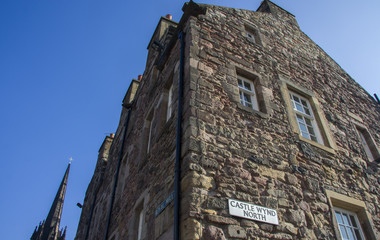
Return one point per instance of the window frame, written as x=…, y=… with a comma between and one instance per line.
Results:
x=169, y=109
x=353, y=223
x=147, y=135
x=287, y=86
x=368, y=144
x=252, y=34
x=251, y=93
x=307, y=115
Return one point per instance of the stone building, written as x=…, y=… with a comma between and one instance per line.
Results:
x=275, y=139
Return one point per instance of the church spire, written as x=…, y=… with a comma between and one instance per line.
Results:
x=50, y=228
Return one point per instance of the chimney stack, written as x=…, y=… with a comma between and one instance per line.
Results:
x=169, y=16
x=139, y=77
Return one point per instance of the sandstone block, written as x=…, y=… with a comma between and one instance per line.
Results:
x=221, y=220
x=236, y=232
x=213, y=233
x=191, y=229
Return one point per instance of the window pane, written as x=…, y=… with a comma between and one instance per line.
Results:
x=311, y=130
x=304, y=103
x=357, y=234
x=308, y=122
x=296, y=99
x=313, y=138
x=365, y=145
x=338, y=217
x=353, y=222
x=307, y=111
x=247, y=86
x=300, y=119
x=299, y=107
x=303, y=127
x=139, y=233
x=247, y=98
x=306, y=135
x=345, y=219
x=251, y=36
x=343, y=232
x=239, y=82
x=350, y=233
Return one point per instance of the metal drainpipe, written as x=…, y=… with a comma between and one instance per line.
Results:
x=117, y=170
x=377, y=99
x=177, y=173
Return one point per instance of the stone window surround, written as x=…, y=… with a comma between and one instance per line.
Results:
x=258, y=83
x=369, y=140
x=285, y=87
x=353, y=205
x=305, y=116
x=249, y=28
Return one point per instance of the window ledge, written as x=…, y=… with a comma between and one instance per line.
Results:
x=315, y=144
x=250, y=110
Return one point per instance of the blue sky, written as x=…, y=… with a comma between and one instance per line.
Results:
x=66, y=65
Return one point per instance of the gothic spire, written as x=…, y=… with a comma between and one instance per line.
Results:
x=50, y=227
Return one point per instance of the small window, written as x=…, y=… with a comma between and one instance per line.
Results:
x=247, y=93
x=138, y=230
x=252, y=35
x=149, y=136
x=140, y=224
x=148, y=132
x=170, y=103
x=348, y=223
x=350, y=217
x=368, y=144
x=304, y=115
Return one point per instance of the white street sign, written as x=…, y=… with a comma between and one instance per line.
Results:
x=253, y=212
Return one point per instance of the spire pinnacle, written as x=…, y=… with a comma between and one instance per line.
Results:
x=50, y=226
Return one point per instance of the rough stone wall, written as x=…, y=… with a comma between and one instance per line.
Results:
x=231, y=152
x=93, y=187
x=146, y=178
x=256, y=157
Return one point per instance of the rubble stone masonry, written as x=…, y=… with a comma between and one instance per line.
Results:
x=231, y=151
